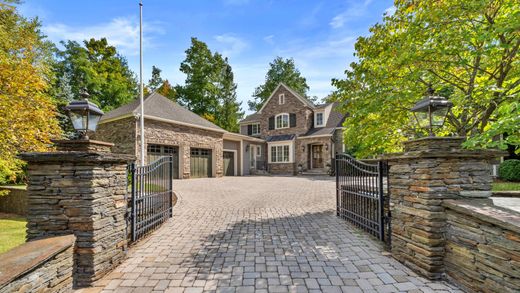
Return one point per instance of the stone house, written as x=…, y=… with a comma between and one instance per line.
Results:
x=298, y=135
x=199, y=147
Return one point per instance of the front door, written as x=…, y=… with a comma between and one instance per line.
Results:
x=317, y=156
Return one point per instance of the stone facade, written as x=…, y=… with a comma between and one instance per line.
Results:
x=482, y=246
x=80, y=193
x=38, y=266
x=430, y=171
x=125, y=135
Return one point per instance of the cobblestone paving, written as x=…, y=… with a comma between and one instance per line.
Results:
x=260, y=234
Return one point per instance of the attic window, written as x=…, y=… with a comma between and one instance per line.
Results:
x=319, y=119
x=281, y=99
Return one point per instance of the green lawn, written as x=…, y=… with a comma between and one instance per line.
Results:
x=506, y=186
x=12, y=231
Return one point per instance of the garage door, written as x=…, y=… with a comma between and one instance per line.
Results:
x=200, y=163
x=229, y=164
x=156, y=151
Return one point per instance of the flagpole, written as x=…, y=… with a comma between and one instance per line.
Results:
x=141, y=88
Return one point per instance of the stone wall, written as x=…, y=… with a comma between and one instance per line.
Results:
x=14, y=201
x=185, y=138
x=430, y=171
x=283, y=168
x=482, y=246
x=122, y=133
x=80, y=193
x=38, y=266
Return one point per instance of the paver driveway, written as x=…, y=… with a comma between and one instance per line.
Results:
x=263, y=234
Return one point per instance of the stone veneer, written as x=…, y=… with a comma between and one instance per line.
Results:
x=38, y=266
x=428, y=172
x=125, y=135
x=80, y=193
x=302, y=157
x=482, y=246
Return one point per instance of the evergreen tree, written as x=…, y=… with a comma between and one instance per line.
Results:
x=280, y=70
x=229, y=112
x=156, y=81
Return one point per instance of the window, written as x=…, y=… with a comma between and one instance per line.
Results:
x=319, y=119
x=282, y=121
x=258, y=151
x=156, y=151
x=255, y=129
x=280, y=154
x=281, y=99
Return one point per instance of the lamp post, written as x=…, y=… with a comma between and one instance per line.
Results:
x=84, y=115
x=431, y=111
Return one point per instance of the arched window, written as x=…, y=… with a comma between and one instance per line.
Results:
x=282, y=121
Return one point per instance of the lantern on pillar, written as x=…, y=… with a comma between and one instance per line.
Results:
x=431, y=111
x=84, y=115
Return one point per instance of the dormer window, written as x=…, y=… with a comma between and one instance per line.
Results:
x=281, y=99
x=255, y=129
x=319, y=120
x=282, y=121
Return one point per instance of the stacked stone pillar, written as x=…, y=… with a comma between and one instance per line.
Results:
x=431, y=170
x=80, y=189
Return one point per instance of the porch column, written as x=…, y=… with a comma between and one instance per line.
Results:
x=80, y=189
x=428, y=172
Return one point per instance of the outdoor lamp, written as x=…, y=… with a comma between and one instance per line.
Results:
x=431, y=111
x=84, y=115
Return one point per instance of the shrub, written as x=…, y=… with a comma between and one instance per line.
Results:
x=509, y=170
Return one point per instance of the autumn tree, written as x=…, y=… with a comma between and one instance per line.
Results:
x=100, y=69
x=280, y=70
x=466, y=50
x=209, y=89
x=27, y=111
x=160, y=85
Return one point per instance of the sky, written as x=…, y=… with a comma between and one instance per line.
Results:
x=318, y=35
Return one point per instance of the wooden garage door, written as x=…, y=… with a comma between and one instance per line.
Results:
x=156, y=151
x=229, y=164
x=200, y=163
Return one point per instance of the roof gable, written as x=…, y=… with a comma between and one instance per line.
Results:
x=304, y=100
x=158, y=106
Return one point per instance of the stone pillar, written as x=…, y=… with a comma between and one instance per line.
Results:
x=80, y=189
x=429, y=171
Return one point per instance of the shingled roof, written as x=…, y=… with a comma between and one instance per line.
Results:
x=158, y=106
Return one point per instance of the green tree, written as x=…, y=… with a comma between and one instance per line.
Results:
x=156, y=81
x=27, y=111
x=468, y=52
x=100, y=69
x=209, y=88
x=229, y=111
x=280, y=70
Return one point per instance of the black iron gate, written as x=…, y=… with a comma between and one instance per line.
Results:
x=362, y=195
x=152, y=191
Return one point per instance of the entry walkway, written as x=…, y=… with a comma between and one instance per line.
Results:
x=260, y=234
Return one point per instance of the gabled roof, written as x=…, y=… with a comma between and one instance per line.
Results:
x=251, y=118
x=157, y=106
x=334, y=121
x=282, y=137
x=297, y=95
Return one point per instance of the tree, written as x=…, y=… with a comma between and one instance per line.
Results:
x=167, y=90
x=98, y=67
x=466, y=50
x=27, y=111
x=156, y=81
x=209, y=89
x=229, y=112
x=280, y=70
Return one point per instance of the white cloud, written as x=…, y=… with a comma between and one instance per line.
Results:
x=121, y=32
x=269, y=39
x=354, y=11
x=232, y=45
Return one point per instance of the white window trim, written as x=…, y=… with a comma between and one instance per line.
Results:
x=282, y=143
x=316, y=119
x=281, y=99
x=276, y=119
x=255, y=133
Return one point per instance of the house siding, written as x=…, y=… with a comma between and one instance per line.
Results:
x=122, y=133
x=235, y=146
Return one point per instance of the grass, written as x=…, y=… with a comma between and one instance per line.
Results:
x=12, y=231
x=506, y=186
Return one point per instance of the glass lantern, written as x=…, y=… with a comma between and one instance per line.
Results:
x=84, y=115
x=431, y=112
